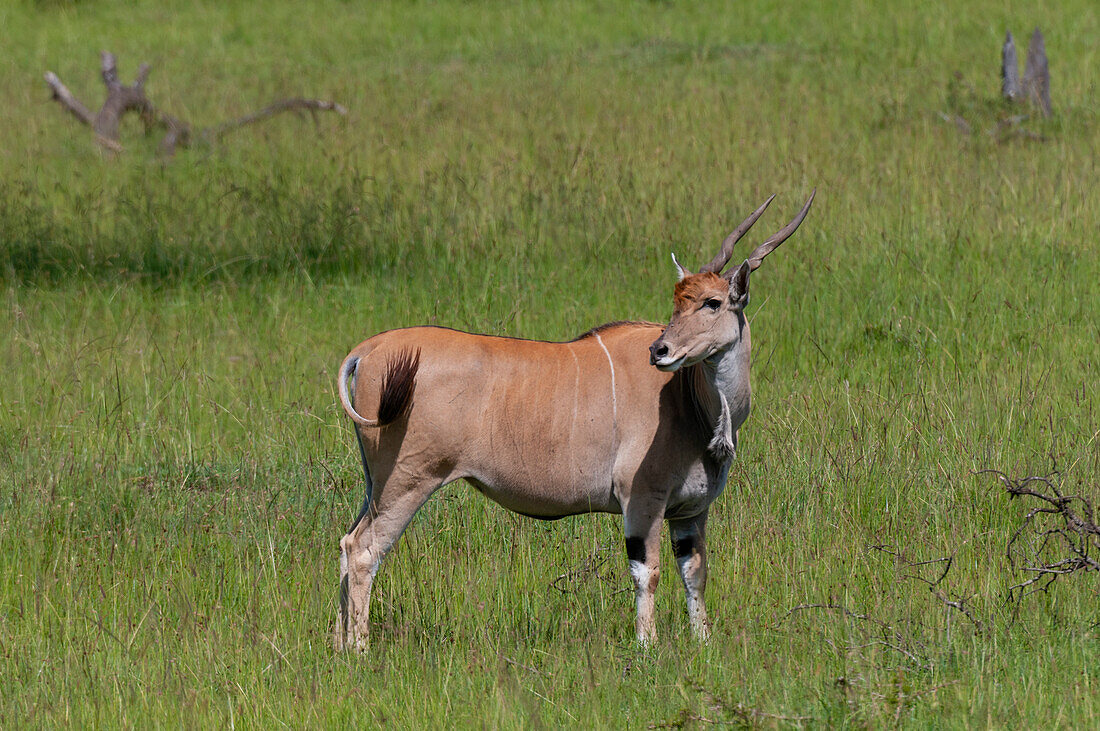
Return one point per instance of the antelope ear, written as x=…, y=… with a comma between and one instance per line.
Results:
x=680, y=271
x=739, y=284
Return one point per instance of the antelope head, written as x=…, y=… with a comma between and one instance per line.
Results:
x=708, y=307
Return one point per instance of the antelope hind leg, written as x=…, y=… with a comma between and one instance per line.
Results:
x=362, y=551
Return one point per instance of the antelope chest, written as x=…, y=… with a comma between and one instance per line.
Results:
x=703, y=484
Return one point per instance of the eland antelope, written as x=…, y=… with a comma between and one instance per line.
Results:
x=630, y=417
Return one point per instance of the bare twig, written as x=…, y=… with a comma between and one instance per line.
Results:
x=960, y=605
x=838, y=607
x=596, y=565
x=960, y=124
x=739, y=714
x=1060, y=524
x=282, y=105
x=1009, y=127
x=892, y=639
x=942, y=595
x=516, y=663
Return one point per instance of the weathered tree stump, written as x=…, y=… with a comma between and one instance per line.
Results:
x=177, y=133
x=1034, y=88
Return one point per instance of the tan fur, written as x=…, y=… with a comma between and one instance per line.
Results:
x=554, y=429
x=696, y=288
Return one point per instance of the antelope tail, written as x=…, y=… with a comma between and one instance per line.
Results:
x=398, y=384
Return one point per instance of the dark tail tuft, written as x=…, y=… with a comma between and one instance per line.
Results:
x=398, y=385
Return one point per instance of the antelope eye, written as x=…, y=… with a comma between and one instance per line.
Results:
x=712, y=304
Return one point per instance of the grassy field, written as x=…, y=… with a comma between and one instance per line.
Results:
x=175, y=471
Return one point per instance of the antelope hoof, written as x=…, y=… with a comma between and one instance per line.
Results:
x=349, y=639
x=647, y=637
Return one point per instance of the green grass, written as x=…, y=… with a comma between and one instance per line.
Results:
x=175, y=472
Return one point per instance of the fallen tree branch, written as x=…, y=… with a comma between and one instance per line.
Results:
x=892, y=639
x=598, y=566
x=934, y=588
x=282, y=105
x=65, y=98
x=177, y=132
x=121, y=99
x=735, y=714
x=1060, y=524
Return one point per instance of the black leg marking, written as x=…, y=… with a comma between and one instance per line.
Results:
x=684, y=546
x=635, y=549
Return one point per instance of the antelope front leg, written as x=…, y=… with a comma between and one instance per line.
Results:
x=643, y=542
x=689, y=546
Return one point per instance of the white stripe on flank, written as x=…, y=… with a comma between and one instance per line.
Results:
x=576, y=388
x=614, y=404
x=573, y=424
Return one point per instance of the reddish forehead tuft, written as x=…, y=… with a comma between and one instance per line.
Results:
x=695, y=287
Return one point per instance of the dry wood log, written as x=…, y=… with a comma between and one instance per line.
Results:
x=177, y=133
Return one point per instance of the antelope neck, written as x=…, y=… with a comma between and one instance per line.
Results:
x=720, y=390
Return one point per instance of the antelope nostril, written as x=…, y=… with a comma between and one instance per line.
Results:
x=659, y=350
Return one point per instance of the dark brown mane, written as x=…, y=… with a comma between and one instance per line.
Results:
x=609, y=325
